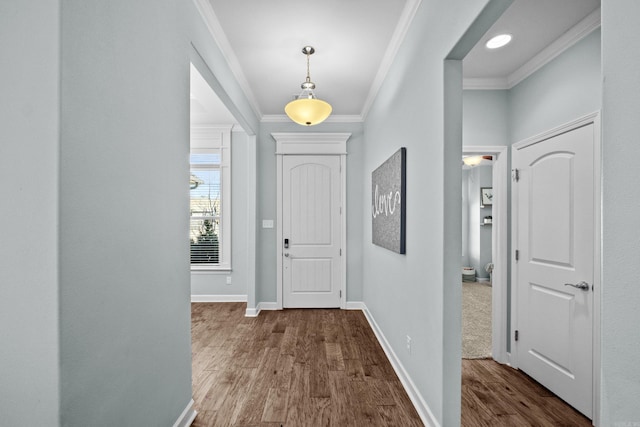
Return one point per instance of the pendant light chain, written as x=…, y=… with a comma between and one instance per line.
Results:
x=306, y=109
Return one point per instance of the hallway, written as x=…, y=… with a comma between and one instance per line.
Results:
x=293, y=368
x=325, y=367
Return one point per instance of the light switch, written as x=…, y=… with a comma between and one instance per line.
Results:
x=267, y=223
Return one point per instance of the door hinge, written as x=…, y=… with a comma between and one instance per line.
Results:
x=340, y=251
x=515, y=175
x=340, y=294
x=517, y=255
x=517, y=335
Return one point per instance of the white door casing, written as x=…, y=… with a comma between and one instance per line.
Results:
x=311, y=228
x=555, y=233
x=291, y=145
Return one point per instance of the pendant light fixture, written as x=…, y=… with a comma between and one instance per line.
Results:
x=472, y=160
x=306, y=109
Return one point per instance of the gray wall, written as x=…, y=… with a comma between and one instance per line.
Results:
x=621, y=213
x=124, y=261
x=485, y=118
x=95, y=266
x=416, y=294
x=267, y=209
x=568, y=87
x=465, y=217
x=213, y=282
x=479, y=236
x=29, y=129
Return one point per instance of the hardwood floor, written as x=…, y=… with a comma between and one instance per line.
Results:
x=292, y=368
x=497, y=395
x=326, y=368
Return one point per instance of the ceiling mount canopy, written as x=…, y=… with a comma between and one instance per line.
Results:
x=306, y=109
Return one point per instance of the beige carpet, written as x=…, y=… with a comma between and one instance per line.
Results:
x=476, y=320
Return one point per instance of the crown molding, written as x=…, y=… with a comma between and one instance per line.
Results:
x=213, y=24
x=564, y=42
x=546, y=55
x=475, y=83
x=342, y=118
x=408, y=13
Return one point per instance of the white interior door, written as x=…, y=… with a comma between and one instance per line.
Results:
x=555, y=240
x=312, y=231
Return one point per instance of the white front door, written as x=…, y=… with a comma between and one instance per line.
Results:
x=556, y=228
x=312, y=231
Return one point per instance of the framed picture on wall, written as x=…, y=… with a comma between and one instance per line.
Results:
x=388, y=203
x=486, y=196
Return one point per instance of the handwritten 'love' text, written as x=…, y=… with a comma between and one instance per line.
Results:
x=384, y=203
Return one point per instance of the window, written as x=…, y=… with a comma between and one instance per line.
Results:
x=210, y=198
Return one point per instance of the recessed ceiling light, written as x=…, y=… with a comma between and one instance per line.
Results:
x=499, y=41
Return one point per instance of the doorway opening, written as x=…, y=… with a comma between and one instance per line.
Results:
x=485, y=252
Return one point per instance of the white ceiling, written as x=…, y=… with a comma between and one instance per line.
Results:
x=540, y=28
x=355, y=42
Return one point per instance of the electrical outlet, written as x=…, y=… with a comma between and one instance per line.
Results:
x=228, y=280
x=409, y=344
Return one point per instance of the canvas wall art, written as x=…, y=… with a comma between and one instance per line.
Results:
x=388, y=203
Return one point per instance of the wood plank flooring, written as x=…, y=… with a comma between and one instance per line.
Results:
x=497, y=395
x=292, y=368
x=326, y=368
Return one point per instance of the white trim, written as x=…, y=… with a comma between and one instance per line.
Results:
x=499, y=244
x=252, y=219
x=564, y=128
x=482, y=279
x=338, y=118
x=597, y=255
x=218, y=298
x=279, y=278
x=251, y=312
x=267, y=306
x=188, y=415
x=213, y=24
x=343, y=219
x=479, y=83
x=425, y=413
x=408, y=13
x=578, y=32
x=355, y=305
x=310, y=143
x=597, y=269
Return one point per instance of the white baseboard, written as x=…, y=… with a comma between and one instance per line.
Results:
x=253, y=312
x=355, y=305
x=482, y=279
x=188, y=415
x=421, y=406
x=218, y=298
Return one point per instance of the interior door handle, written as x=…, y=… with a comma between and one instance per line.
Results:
x=286, y=254
x=580, y=285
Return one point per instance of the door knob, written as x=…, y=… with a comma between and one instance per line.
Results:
x=580, y=285
x=286, y=254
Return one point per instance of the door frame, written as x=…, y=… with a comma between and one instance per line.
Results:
x=593, y=118
x=499, y=250
x=309, y=144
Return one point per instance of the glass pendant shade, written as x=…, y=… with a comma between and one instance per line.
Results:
x=472, y=161
x=308, y=111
